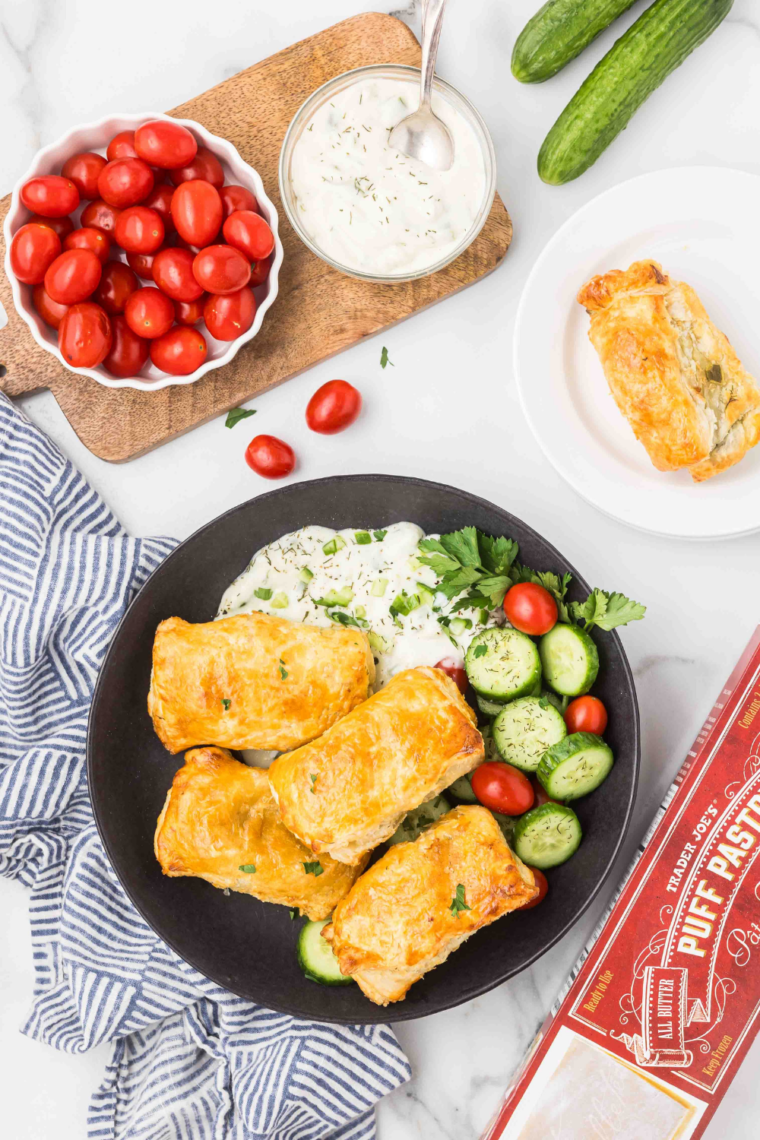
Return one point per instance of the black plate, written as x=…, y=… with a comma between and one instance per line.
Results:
x=249, y=946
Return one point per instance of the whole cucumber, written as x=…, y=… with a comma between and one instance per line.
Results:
x=632, y=69
x=558, y=33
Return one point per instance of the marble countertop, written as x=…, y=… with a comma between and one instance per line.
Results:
x=77, y=60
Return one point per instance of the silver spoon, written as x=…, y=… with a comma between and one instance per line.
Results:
x=422, y=135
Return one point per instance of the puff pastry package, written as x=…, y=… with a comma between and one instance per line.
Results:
x=673, y=374
x=220, y=816
x=422, y=900
x=254, y=681
x=348, y=791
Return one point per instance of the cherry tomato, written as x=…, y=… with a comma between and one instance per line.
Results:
x=62, y=226
x=149, y=312
x=139, y=230
x=237, y=198
x=502, y=788
x=530, y=608
x=50, y=195
x=167, y=145
x=101, y=216
x=333, y=407
x=205, y=165
x=173, y=273
x=543, y=888
x=540, y=794
x=221, y=269
x=128, y=353
x=197, y=212
x=89, y=238
x=269, y=456
x=84, y=171
x=122, y=146
x=125, y=182
x=51, y=312
x=33, y=249
x=249, y=233
x=84, y=335
x=586, y=714
x=142, y=263
x=73, y=276
x=453, y=668
x=180, y=351
x=160, y=200
x=189, y=312
x=230, y=315
x=260, y=271
x=116, y=286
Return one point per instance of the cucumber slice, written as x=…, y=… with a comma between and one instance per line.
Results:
x=415, y=821
x=575, y=766
x=462, y=791
x=488, y=708
x=547, y=836
x=569, y=659
x=502, y=664
x=315, y=956
x=525, y=728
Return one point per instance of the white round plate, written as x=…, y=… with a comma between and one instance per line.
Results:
x=703, y=225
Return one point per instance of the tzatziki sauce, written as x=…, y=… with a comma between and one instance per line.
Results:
x=367, y=206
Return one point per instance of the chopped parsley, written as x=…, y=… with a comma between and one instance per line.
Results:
x=313, y=777
x=458, y=903
x=248, y=868
x=379, y=535
x=384, y=359
x=235, y=415
x=342, y=618
x=283, y=670
x=480, y=650
x=262, y=593
x=314, y=869
x=226, y=702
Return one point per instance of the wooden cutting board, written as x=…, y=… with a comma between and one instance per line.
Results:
x=318, y=311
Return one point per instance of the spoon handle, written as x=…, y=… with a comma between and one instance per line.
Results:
x=432, y=21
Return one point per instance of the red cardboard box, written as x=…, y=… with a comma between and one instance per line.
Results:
x=663, y=1005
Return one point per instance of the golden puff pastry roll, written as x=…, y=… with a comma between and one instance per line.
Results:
x=349, y=790
x=220, y=816
x=254, y=681
x=673, y=374
x=422, y=900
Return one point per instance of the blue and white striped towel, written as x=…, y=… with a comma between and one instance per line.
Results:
x=189, y=1061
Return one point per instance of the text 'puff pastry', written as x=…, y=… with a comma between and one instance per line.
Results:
x=220, y=816
x=415, y=906
x=673, y=374
x=254, y=681
x=349, y=790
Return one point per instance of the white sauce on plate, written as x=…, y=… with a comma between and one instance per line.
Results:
x=371, y=208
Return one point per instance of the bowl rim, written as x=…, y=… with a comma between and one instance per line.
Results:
x=215, y=143
x=402, y=70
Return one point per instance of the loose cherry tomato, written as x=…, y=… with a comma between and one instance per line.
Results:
x=543, y=888
x=139, y=230
x=260, y=271
x=586, y=714
x=84, y=171
x=51, y=312
x=540, y=794
x=197, y=212
x=160, y=200
x=125, y=182
x=142, y=263
x=229, y=315
x=180, y=351
x=173, y=273
x=89, y=238
x=249, y=233
x=530, y=608
x=221, y=269
x=73, y=276
x=128, y=353
x=84, y=335
x=167, y=145
x=122, y=146
x=116, y=286
x=237, y=198
x=149, y=312
x=50, y=195
x=62, y=226
x=33, y=249
x=333, y=407
x=189, y=312
x=205, y=165
x=269, y=456
x=101, y=216
x=453, y=668
x=502, y=788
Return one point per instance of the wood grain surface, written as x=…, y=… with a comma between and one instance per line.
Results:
x=318, y=312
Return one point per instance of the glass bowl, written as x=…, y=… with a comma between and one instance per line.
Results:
x=386, y=71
